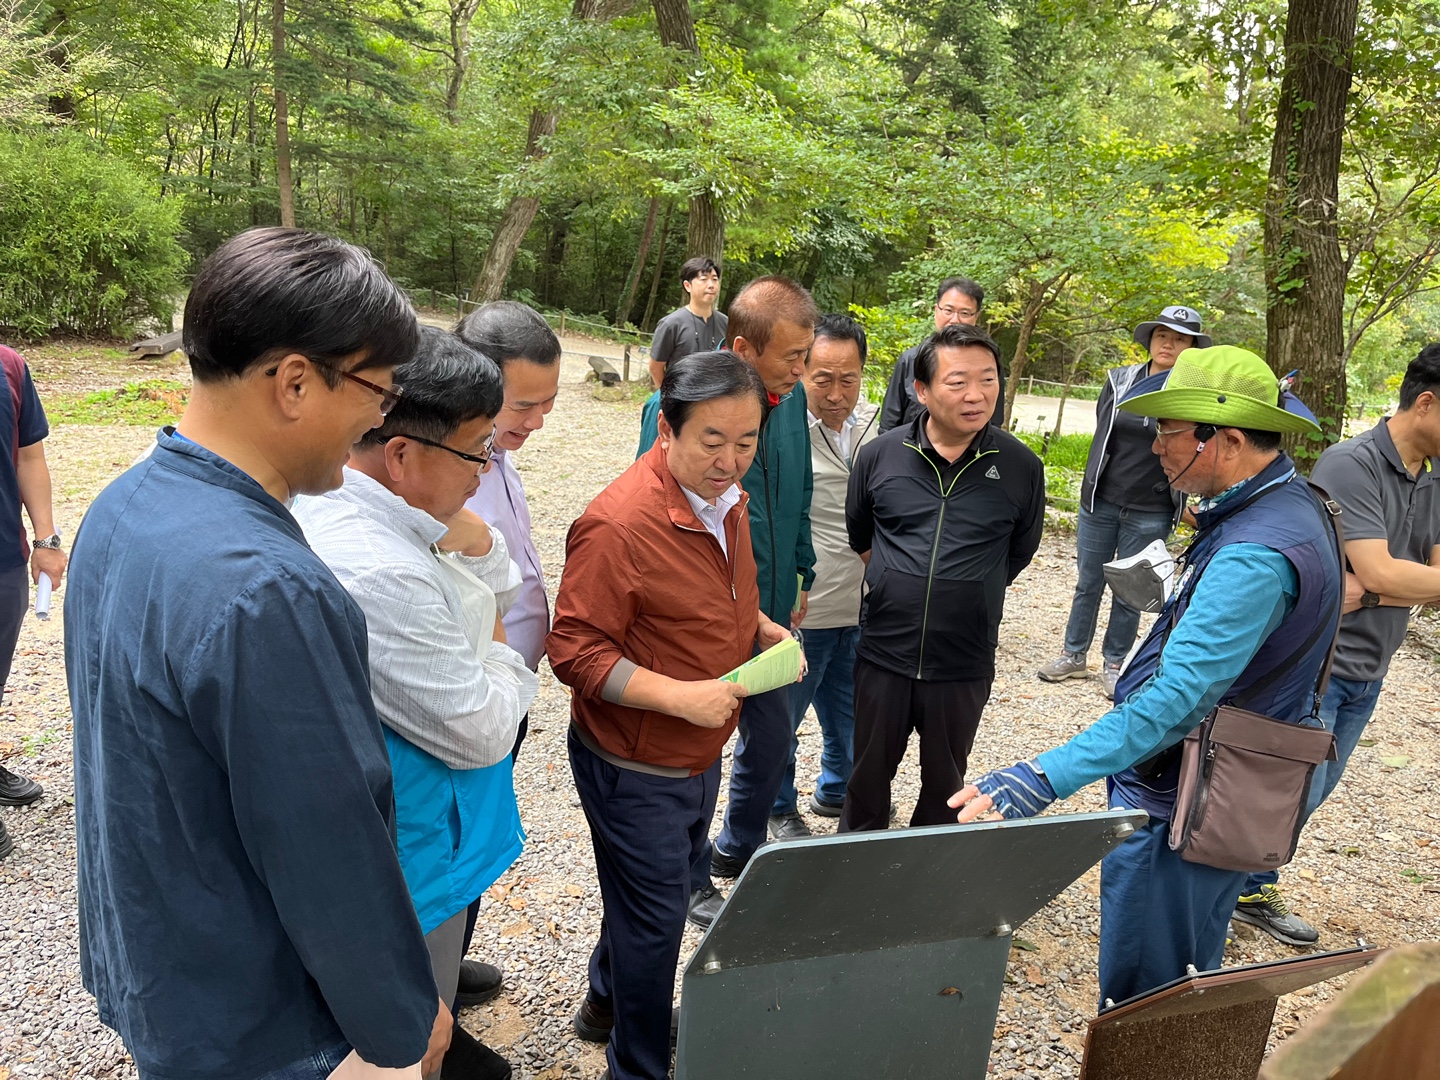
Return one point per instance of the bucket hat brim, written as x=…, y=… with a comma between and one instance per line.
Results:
x=1144, y=331
x=1206, y=406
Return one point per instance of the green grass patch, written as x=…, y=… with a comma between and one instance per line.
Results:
x=1064, y=459
x=139, y=404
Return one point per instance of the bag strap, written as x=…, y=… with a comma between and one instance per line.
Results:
x=1331, y=512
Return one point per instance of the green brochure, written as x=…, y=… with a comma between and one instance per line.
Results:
x=777, y=666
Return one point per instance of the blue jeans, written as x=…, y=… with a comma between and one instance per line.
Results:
x=761, y=751
x=316, y=1066
x=1345, y=710
x=1159, y=913
x=830, y=685
x=1108, y=532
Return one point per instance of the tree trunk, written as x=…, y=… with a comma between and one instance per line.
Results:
x=1065, y=396
x=282, y=120
x=515, y=222
x=462, y=13
x=646, y=235
x=647, y=323
x=1039, y=296
x=706, y=235
x=1304, y=271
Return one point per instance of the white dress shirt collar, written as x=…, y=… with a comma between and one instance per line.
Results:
x=381, y=502
x=713, y=516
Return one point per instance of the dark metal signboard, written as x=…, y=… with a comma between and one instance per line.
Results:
x=876, y=954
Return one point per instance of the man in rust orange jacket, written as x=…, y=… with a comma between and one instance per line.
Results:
x=658, y=599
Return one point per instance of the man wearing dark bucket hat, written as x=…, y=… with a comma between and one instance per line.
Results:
x=1125, y=501
x=1262, y=574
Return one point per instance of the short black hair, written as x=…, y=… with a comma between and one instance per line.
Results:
x=447, y=383
x=508, y=330
x=1261, y=440
x=954, y=336
x=970, y=288
x=842, y=328
x=1422, y=374
x=700, y=377
x=693, y=268
x=270, y=292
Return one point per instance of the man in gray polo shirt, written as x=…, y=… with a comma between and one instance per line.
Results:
x=1387, y=481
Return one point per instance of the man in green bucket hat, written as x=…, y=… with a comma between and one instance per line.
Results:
x=1262, y=577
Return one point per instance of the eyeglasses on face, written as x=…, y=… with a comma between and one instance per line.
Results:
x=479, y=459
x=964, y=313
x=1161, y=434
x=389, y=395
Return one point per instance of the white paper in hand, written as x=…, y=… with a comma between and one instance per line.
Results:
x=42, y=596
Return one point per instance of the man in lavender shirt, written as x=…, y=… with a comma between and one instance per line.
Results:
x=518, y=339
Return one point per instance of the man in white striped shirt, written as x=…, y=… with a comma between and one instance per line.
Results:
x=448, y=689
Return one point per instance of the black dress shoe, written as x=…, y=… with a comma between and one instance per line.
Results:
x=593, y=1021
x=704, y=906
x=825, y=809
x=478, y=984
x=789, y=826
x=470, y=1059
x=16, y=790
x=6, y=844
x=724, y=866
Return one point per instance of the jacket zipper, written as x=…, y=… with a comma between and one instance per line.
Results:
x=729, y=562
x=935, y=545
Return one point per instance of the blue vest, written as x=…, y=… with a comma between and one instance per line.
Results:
x=1287, y=518
x=458, y=829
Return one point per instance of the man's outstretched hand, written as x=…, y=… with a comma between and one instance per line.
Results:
x=1020, y=791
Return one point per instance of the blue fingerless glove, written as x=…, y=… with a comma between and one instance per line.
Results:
x=1020, y=791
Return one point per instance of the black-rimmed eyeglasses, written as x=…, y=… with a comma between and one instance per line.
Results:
x=389, y=395
x=482, y=459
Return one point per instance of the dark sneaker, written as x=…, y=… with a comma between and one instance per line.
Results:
x=1066, y=667
x=789, y=826
x=724, y=866
x=825, y=809
x=470, y=1059
x=1109, y=676
x=6, y=844
x=705, y=904
x=479, y=983
x=1268, y=910
x=16, y=790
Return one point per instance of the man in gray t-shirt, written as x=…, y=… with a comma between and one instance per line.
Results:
x=696, y=327
x=1387, y=482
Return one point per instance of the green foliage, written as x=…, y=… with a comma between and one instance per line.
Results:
x=1064, y=458
x=151, y=403
x=86, y=247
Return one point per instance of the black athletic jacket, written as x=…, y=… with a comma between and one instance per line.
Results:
x=944, y=541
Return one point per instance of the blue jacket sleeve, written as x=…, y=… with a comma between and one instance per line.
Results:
x=649, y=423
x=1243, y=595
x=278, y=690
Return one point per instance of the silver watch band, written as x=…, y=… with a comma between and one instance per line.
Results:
x=52, y=541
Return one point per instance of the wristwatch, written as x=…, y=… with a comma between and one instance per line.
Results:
x=52, y=541
x=1369, y=599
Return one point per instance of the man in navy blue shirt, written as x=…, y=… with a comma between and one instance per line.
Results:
x=24, y=479
x=242, y=910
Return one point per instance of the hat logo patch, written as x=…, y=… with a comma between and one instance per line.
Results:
x=993, y=473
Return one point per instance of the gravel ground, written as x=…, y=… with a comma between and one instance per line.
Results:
x=1365, y=867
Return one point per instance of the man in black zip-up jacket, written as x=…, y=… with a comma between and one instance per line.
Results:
x=946, y=511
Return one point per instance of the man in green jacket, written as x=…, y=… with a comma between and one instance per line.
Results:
x=772, y=326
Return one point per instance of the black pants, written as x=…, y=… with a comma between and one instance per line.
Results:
x=651, y=853
x=887, y=708
x=14, y=602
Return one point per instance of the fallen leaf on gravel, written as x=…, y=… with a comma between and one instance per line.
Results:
x=517, y=902
x=1308, y=875
x=1399, y=761
x=1423, y=841
x=1353, y=852
x=1034, y=978
x=499, y=892
x=1024, y=943
x=1366, y=742
x=515, y=929
x=574, y=890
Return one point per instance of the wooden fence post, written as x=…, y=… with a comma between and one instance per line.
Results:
x=562, y=322
x=626, y=376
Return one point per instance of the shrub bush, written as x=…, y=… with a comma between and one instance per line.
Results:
x=86, y=246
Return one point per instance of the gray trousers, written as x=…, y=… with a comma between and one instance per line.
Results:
x=446, y=943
